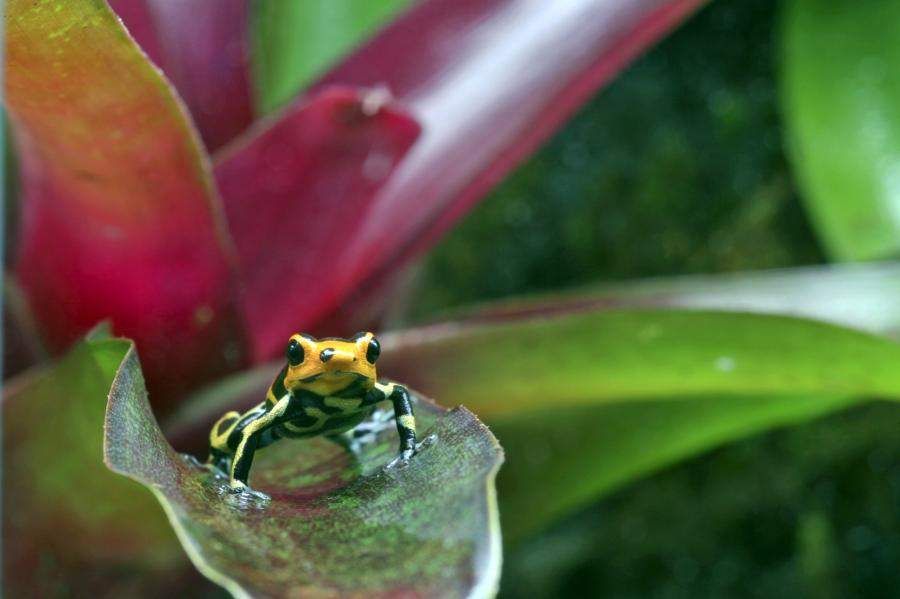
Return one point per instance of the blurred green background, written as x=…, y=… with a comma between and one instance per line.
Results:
x=679, y=167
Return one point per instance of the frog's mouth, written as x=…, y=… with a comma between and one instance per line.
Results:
x=333, y=374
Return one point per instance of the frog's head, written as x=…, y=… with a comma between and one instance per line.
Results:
x=329, y=365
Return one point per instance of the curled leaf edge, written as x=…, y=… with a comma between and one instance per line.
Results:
x=490, y=563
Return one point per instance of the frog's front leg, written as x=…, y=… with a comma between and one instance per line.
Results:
x=249, y=442
x=406, y=421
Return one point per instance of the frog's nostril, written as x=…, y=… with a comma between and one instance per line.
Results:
x=326, y=354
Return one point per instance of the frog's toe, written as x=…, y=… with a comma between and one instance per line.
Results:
x=236, y=487
x=402, y=459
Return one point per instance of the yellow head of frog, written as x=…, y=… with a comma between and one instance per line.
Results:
x=327, y=366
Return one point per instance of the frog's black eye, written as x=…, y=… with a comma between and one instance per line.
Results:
x=373, y=351
x=295, y=353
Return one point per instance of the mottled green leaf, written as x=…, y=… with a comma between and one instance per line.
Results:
x=842, y=109
x=293, y=42
x=68, y=522
x=337, y=522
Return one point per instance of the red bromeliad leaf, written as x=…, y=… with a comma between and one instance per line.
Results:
x=119, y=217
x=487, y=80
x=141, y=25
x=203, y=49
x=296, y=192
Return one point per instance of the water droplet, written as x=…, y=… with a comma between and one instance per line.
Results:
x=725, y=364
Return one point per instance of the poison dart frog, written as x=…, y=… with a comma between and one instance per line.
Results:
x=327, y=387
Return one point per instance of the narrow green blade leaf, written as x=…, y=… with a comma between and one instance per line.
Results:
x=294, y=42
x=337, y=523
x=859, y=296
x=590, y=400
x=63, y=510
x=610, y=356
x=842, y=108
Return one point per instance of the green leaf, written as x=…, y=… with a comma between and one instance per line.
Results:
x=587, y=401
x=842, y=109
x=860, y=296
x=337, y=522
x=63, y=510
x=620, y=355
x=293, y=42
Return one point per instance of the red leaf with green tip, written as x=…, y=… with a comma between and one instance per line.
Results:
x=203, y=49
x=297, y=193
x=487, y=80
x=119, y=218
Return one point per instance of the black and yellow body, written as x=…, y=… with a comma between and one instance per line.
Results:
x=328, y=387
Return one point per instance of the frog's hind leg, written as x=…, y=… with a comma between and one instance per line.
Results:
x=220, y=453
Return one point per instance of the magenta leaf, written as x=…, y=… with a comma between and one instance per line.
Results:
x=203, y=49
x=295, y=196
x=488, y=81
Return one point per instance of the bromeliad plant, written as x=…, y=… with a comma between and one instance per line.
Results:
x=209, y=210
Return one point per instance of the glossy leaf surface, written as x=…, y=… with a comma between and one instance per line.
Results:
x=841, y=102
x=203, y=49
x=64, y=512
x=621, y=355
x=293, y=42
x=487, y=81
x=113, y=178
x=859, y=296
x=337, y=522
x=587, y=401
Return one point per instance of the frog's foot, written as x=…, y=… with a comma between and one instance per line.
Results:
x=238, y=488
x=405, y=455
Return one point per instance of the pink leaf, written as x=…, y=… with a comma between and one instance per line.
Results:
x=296, y=192
x=488, y=80
x=203, y=49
